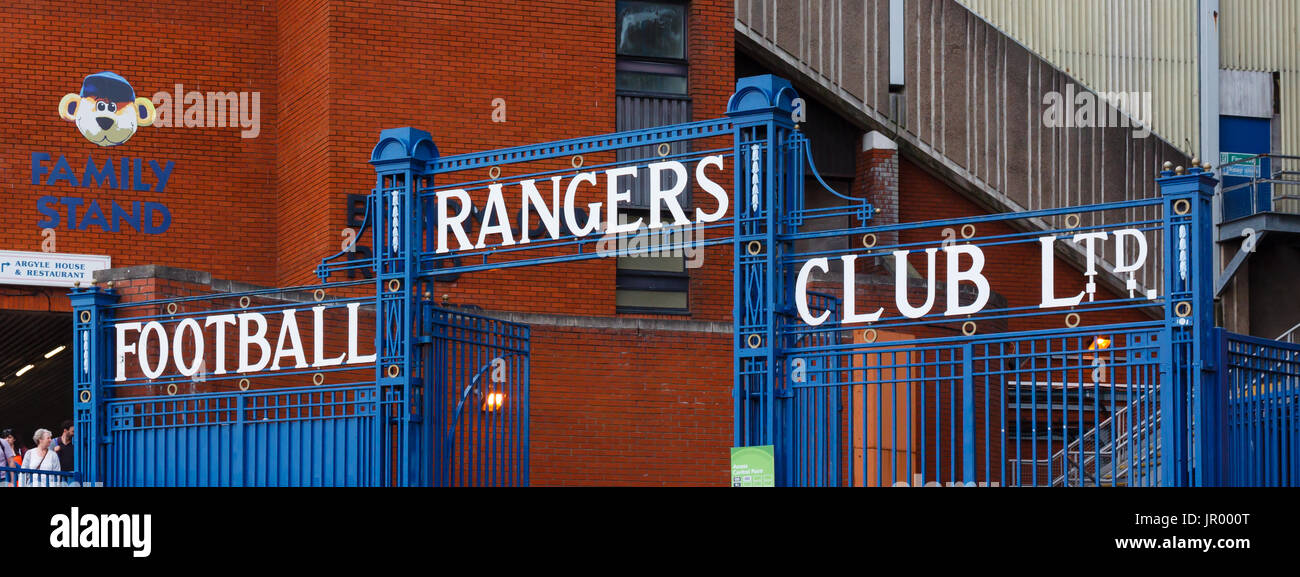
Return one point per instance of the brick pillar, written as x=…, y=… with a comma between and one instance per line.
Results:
x=876, y=179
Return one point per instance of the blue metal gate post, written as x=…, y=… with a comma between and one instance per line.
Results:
x=761, y=111
x=401, y=161
x=967, y=415
x=89, y=319
x=1191, y=397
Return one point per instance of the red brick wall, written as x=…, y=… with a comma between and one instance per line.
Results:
x=265, y=210
x=634, y=408
x=303, y=219
x=221, y=191
x=609, y=406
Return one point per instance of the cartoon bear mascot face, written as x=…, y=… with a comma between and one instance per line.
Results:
x=107, y=111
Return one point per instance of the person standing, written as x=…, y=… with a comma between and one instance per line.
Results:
x=40, y=458
x=64, y=448
x=8, y=458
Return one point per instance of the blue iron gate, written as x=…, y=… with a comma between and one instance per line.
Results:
x=479, y=400
x=923, y=397
x=1263, y=397
x=965, y=401
x=916, y=397
x=328, y=423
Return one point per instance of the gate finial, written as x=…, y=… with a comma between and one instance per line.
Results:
x=766, y=93
x=404, y=144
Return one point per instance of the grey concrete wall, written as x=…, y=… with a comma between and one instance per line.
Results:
x=971, y=107
x=1272, y=290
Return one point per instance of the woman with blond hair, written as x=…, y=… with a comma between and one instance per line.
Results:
x=40, y=458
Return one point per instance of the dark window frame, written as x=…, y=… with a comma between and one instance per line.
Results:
x=639, y=279
x=634, y=279
x=655, y=64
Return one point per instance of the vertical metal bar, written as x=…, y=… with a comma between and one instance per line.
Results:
x=987, y=452
x=968, y=415
x=1020, y=432
x=893, y=418
x=880, y=359
x=1051, y=446
x=911, y=453
x=1081, y=431
x=953, y=377
x=925, y=383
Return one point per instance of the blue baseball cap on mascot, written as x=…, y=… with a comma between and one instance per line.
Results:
x=108, y=86
x=107, y=112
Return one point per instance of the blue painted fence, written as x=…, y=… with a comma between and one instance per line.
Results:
x=1079, y=400
x=1262, y=384
x=329, y=426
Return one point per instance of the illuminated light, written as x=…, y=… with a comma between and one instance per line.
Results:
x=1100, y=342
x=2, y=383
x=24, y=370
x=55, y=351
x=493, y=401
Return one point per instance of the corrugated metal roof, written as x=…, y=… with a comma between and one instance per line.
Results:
x=1140, y=45
x=1115, y=46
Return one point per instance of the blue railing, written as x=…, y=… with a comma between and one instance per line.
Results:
x=19, y=477
x=1262, y=387
x=1259, y=184
x=1070, y=407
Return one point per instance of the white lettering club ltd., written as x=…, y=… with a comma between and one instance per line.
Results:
x=973, y=274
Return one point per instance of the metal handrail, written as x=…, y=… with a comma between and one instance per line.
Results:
x=1277, y=177
x=1068, y=454
x=19, y=476
x=1288, y=333
x=1116, y=452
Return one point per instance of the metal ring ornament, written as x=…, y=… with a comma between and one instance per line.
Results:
x=964, y=233
x=318, y=378
x=1072, y=320
x=84, y=396
x=171, y=388
x=393, y=371
x=394, y=284
x=244, y=302
x=870, y=335
x=494, y=172
x=869, y=240
x=576, y=161
x=1183, y=309
x=85, y=316
x=969, y=328
x=1182, y=206
x=243, y=384
x=754, y=247
x=664, y=149
x=1071, y=221
x=318, y=295
x=171, y=308
x=754, y=341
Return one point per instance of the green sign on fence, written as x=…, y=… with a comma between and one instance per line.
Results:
x=753, y=466
x=1244, y=170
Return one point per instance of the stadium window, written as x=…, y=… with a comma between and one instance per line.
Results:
x=651, y=48
x=651, y=91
